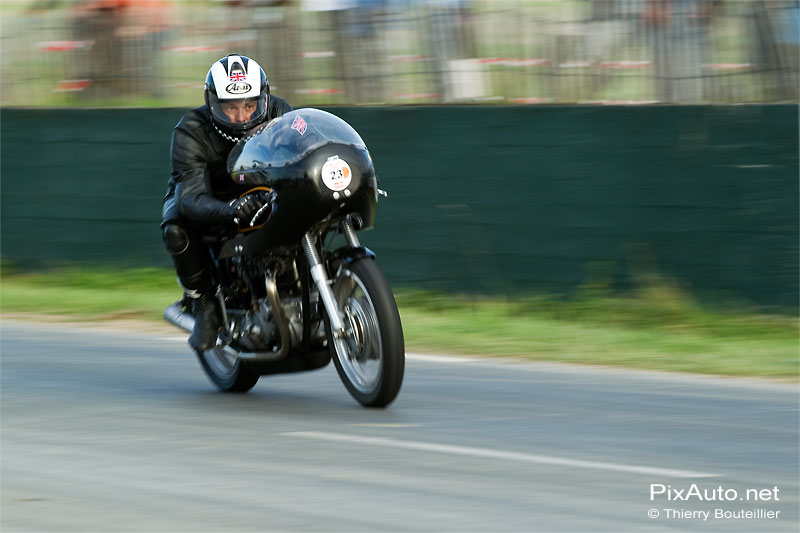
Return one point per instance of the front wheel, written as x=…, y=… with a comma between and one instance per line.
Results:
x=227, y=371
x=370, y=356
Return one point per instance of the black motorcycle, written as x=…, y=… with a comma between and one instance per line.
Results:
x=299, y=289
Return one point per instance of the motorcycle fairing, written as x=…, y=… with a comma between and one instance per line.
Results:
x=300, y=168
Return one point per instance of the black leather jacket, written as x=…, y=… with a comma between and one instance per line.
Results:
x=199, y=186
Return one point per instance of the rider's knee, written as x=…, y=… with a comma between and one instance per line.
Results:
x=176, y=239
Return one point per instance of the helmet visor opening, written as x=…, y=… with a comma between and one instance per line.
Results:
x=237, y=115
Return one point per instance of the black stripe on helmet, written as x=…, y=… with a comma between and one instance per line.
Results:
x=244, y=63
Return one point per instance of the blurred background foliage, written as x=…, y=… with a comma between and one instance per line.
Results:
x=331, y=52
x=658, y=326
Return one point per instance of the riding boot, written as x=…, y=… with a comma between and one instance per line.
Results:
x=206, y=322
x=190, y=257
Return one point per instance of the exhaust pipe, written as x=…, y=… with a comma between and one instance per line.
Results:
x=174, y=314
x=280, y=316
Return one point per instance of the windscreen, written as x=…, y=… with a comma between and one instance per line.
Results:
x=288, y=138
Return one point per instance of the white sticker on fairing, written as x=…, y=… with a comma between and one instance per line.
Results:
x=336, y=174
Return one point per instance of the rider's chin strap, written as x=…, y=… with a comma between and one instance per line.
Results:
x=236, y=139
x=225, y=135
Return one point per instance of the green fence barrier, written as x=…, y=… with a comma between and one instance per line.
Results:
x=481, y=199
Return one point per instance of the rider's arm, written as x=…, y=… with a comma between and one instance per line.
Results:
x=190, y=171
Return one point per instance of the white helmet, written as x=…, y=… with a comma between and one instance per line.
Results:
x=232, y=78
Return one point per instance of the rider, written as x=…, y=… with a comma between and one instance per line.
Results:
x=201, y=199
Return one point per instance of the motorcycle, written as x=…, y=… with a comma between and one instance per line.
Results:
x=298, y=289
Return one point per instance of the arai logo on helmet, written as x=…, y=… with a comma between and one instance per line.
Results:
x=238, y=87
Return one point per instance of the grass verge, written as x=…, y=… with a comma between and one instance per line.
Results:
x=657, y=328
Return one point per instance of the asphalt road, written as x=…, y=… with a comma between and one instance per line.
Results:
x=117, y=431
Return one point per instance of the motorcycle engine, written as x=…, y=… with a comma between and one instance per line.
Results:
x=253, y=331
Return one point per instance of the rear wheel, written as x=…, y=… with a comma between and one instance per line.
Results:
x=226, y=370
x=370, y=356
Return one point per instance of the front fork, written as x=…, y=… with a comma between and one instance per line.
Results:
x=320, y=277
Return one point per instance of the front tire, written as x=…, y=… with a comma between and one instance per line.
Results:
x=370, y=357
x=227, y=371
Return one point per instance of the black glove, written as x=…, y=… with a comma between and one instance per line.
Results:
x=249, y=209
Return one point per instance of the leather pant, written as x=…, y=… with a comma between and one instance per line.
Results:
x=189, y=252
